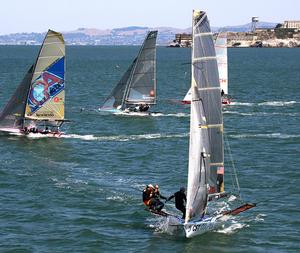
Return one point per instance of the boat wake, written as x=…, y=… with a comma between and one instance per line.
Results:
x=178, y=115
x=241, y=103
x=268, y=136
x=121, y=138
x=231, y=227
x=260, y=113
x=278, y=103
x=267, y=103
x=164, y=225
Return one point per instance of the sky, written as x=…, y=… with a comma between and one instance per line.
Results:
x=68, y=15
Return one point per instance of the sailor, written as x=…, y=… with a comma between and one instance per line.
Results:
x=25, y=130
x=180, y=200
x=148, y=194
x=222, y=93
x=144, y=107
x=156, y=203
x=45, y=131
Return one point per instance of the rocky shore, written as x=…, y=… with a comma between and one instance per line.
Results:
x=265, y=38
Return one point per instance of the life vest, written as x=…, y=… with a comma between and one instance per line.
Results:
x=146, y=196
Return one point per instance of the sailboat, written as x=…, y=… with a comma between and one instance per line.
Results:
x=221, y=52
x=37, y=106
x=206, y=150
x=136, y=91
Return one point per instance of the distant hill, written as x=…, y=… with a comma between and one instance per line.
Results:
x=132, y=35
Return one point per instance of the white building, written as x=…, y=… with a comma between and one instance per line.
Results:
x=291, y=24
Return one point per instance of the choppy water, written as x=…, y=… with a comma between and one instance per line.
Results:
x=82, y=193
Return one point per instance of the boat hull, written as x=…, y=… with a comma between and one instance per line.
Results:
x=128, y=113
x=18, y=132
x=200, y=227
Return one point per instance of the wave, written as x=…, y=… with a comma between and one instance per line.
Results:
x=238, y=113
x=261, y=113
x=179, y=115
x=121, y=138
x=266, y=103
x=242, y=103
x=278, y=103
x=232, y=228
x=269, y=136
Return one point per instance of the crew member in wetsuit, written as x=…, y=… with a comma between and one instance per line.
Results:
x=156, y=203
x=148, y=194
x=222, y=93
x=45, y=131
x=180, y=200
x=143, y=107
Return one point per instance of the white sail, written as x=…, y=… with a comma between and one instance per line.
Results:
x=138, y=84
x=206, y=125
x=221, y=52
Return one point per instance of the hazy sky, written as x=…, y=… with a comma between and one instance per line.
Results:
x=67, y=15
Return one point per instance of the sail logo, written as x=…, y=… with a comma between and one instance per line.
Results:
x=45, y=87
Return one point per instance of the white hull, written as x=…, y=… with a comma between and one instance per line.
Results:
x=130, y=113
x=17, y=132
x=200, y=227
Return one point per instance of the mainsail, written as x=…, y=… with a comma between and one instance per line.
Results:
x=46, y=96
x=12, y=115
x=206, y=126
x=40, y=96
x=221, y=52
x=138, y=84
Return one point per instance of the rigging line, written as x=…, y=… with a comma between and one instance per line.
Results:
x=233, y=166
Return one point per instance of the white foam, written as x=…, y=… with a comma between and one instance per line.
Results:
x=124, y=137
x=239, y=113
x=278, y=103
x=178, y=115
x=271, y=136
x=266, y=103
x=232, y=228
x=241, y=103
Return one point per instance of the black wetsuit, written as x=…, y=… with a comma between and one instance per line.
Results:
x=180, y=200
x=156, y=204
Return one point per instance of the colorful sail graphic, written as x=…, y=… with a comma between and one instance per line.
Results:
x=46, y=95
x=41, y=95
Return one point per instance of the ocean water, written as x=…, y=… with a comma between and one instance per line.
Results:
x=82, y=193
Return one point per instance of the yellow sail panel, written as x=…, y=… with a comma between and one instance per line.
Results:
x=53, y=109
x=53, y=48
x=46, y=95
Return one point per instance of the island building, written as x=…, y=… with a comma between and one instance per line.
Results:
x=291, y=24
